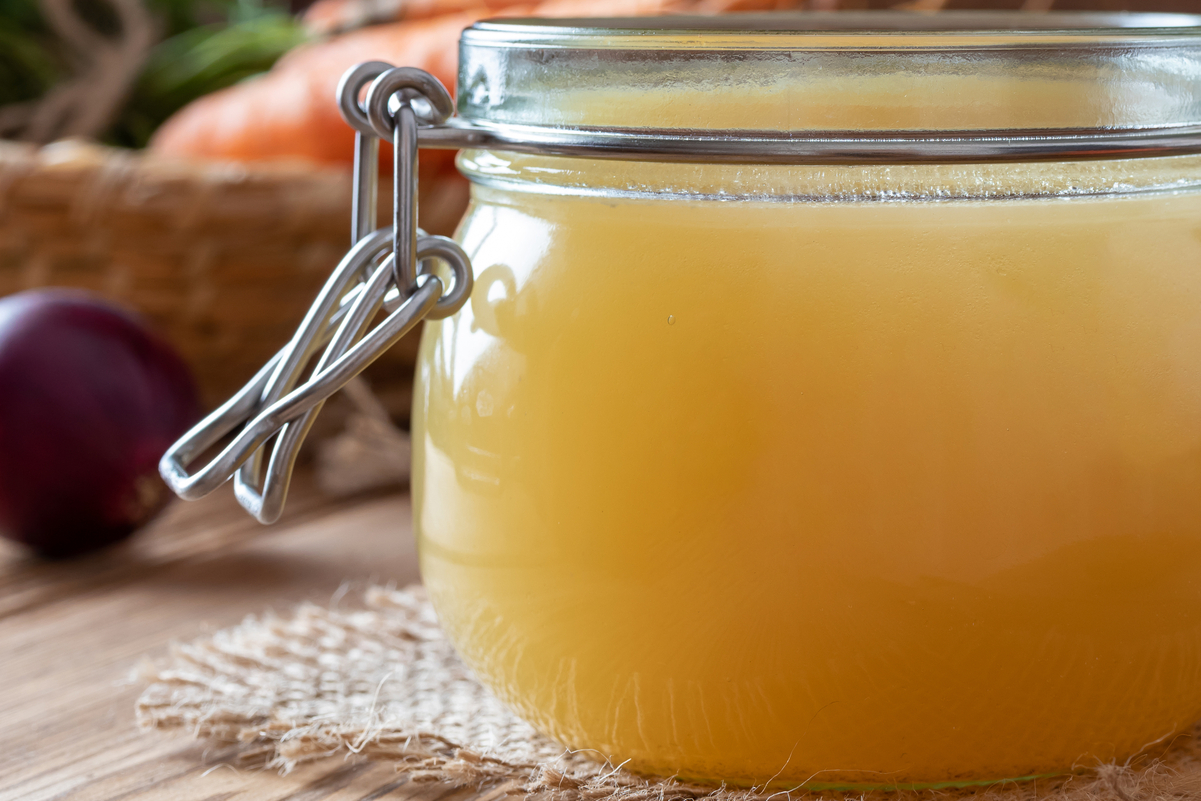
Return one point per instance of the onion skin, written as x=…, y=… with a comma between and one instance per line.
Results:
x=89, y=401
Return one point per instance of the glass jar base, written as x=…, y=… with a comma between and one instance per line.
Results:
x=777, y=786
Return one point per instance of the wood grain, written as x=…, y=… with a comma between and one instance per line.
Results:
x=72, y=635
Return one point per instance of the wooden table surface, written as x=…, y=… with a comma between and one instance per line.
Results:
x=73, y=634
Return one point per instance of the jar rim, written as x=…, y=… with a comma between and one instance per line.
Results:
x=840, y=87
x=576, y=31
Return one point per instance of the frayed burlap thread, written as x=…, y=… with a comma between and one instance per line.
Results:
x=376, y=678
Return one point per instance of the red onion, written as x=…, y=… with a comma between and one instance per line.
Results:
x=89, y=400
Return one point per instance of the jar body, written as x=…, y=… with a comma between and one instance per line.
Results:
x=862, y=491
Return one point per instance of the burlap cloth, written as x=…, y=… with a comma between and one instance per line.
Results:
x=373, y=676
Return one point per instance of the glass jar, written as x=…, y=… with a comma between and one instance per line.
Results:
x=857, y=469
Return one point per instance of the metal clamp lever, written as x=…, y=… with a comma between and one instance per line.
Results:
x=264, y=496
x=276, y=405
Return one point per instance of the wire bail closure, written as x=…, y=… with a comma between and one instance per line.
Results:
x=388, y=269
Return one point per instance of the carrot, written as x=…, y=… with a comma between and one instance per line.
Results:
x=290, y=113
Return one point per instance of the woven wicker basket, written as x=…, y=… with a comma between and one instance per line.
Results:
x=222, y=259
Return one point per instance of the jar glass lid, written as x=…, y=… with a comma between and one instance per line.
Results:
x=774, y=87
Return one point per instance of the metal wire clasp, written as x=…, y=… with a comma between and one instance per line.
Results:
x=387, y=268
